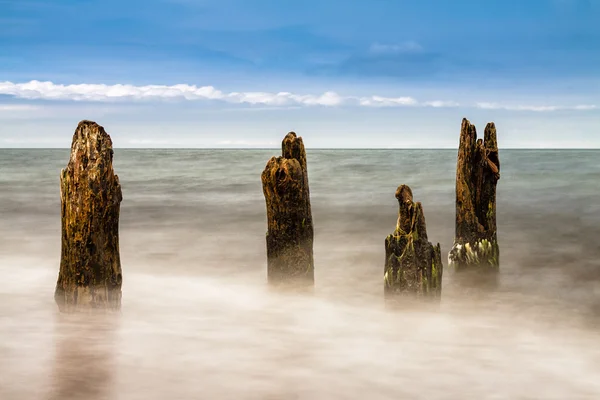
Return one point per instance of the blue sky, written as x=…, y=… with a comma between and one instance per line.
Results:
x=235, y=73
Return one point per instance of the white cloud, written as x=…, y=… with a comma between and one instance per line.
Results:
x=36, y=90
x=18, y=107
x=378, y=101
x=496, y=106
x=438, y=104
x=406, y=47
x=585, y=107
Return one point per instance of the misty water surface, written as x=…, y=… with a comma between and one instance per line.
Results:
x=199, y=322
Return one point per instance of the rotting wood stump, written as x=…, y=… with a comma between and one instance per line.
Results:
x=412, y=264
x=477, y=173
x=289, y=218
x=90, y=274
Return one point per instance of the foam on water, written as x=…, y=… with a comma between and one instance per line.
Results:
x=194, y=337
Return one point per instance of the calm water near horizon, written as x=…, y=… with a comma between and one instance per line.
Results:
x=198, y=320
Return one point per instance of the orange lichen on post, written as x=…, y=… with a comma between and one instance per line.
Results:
x=90, y=274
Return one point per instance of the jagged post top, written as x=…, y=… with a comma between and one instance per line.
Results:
x=91, y=145
x=292, y=147
x=489, y=137
x=405, y=204
x=468, y=134
x=404, y=194
x=491, y=148
x=91, y=161
x=410, y=214
x=286, y=175
x=288, y=168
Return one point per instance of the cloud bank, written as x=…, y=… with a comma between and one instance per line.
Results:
x=495, y=106
x=36, y=90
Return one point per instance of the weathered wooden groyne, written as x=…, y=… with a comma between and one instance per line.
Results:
x=289, y=218
x=413, y=265
x=90, y=273
x=477, y=173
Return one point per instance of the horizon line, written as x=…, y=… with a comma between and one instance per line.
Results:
x=307, y=148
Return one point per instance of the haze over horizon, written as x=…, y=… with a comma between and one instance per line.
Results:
x=229, y=74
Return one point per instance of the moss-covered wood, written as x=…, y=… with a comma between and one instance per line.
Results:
x=289, y=218
x=90, y=267
x=477, y=173
x=412, y=264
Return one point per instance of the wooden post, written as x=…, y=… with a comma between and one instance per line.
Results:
x=90, y=267
x=477, y=173
x=289, y=218
x=412, y=264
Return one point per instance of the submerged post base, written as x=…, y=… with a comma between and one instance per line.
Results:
x=88, y=299
x=482, y=255
x=475, y=265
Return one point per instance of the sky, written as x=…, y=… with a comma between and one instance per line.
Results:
x=342, y=74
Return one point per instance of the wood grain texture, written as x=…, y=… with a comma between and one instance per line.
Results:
x=477, y=174
x=413, y=265
x=90, y=273
x=289, y=218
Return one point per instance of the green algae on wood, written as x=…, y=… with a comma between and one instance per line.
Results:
x=477, y=174
x=90, y=274
x=412, y=264
x=289, y=218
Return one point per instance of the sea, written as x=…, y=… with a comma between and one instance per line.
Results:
x=198, y=320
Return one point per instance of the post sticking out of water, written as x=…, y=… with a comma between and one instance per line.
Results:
x=477, y=173
x=90, y=193
x=289, y=218
x=412, y=264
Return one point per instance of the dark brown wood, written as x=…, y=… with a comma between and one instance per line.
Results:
x=289, y=217
x=477, y=174
x=412, y=264
x=90, y=274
